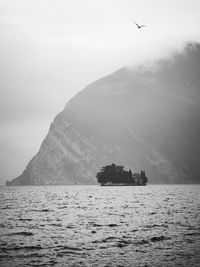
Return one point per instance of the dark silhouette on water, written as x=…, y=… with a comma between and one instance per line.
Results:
x=116, y=175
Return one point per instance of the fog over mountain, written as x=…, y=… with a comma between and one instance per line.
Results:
x=144, y=118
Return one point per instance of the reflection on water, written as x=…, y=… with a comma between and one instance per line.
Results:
x=100, y=226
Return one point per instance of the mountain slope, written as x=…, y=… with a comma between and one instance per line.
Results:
x=142, y=119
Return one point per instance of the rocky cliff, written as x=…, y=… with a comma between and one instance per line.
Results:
x=140, y=118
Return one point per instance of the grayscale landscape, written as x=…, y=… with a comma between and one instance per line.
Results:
x=144, y=118
x=99, y=133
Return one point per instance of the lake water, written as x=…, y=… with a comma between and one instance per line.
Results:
x=156, y=225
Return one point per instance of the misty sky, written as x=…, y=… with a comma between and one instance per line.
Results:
x=50, y=50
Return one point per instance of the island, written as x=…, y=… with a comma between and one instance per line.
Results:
x=116, y=175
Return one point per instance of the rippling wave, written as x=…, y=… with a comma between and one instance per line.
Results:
x=100, y=226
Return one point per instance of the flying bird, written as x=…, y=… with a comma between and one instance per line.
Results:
x=139, y=26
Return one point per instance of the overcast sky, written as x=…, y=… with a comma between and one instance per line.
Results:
x=51, y=49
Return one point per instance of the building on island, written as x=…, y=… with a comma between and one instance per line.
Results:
x=116, y=175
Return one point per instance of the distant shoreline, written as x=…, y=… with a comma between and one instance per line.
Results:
x=96, y=185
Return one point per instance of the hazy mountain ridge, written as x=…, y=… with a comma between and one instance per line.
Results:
x=141, y=119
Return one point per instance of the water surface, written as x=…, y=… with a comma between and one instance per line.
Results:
x=100, y=226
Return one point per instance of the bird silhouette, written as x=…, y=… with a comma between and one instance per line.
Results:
x=139, y=26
